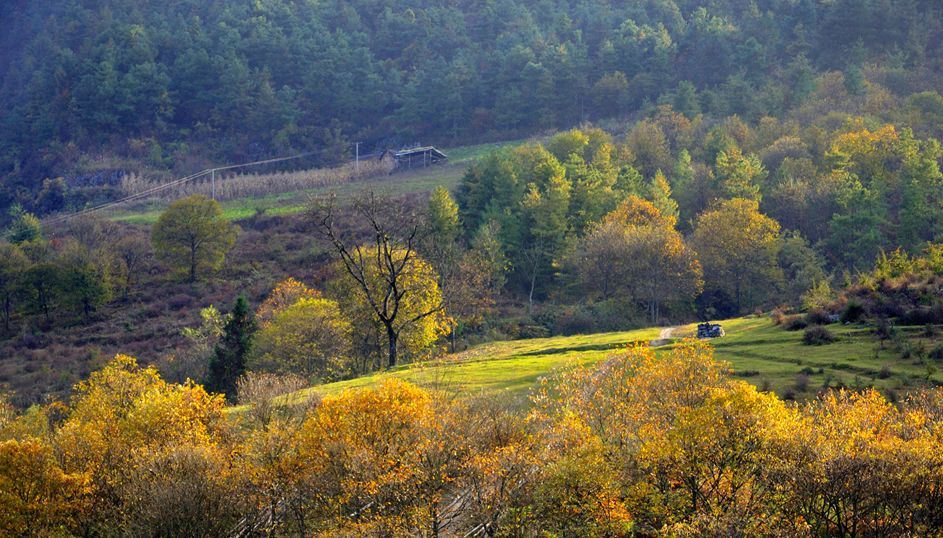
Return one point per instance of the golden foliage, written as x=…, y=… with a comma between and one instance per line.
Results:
x=642, y=444
x=309, y=338
x=420, y=321
x=286, y=293
x=36, y=496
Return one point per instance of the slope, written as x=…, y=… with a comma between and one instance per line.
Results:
x=757, y=350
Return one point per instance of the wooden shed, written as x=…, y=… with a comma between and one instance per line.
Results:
x=418, y=157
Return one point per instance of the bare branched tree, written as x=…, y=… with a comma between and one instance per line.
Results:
x=381, y=264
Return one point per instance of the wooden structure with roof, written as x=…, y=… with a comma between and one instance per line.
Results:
x=417, y=157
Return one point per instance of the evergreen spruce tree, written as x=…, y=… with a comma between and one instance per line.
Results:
x=229, y=356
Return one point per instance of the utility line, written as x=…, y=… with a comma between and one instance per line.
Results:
x=174, y=183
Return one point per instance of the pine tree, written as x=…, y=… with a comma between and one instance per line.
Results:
x=661, y=196
x=229, y=356
x=854, y=81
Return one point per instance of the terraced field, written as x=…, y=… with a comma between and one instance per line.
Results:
x=286, y=203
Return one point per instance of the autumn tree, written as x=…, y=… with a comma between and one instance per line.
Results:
x=147, y=447
x=193, y=236
x=637, y=252
x=387, y=460
x=692, y=450
x=648, y=147
x=866, y=468
x=388, y=280
x=311, y=338
x=479, y=277
x=37, y=498
x=738, y=248
x=284, y=294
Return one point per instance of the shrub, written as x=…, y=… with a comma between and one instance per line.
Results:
x=885, y=372
x=852, y=313
x=802, y=382
x=817, y=336
x=574, y=321
x=533, y=331
x=818, y=316
x=923, y=315
x=795, y=323
x=547, y=319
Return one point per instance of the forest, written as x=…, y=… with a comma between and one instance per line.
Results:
x=504, y=345
x=90, y=91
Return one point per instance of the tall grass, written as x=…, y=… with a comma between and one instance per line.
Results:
x=235, y=186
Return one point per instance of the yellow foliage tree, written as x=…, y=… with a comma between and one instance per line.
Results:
x=738, y=248
x=694, y=452
x=124, y=415
x=412, y=327
x=309, y=338
x=637, y=252
x=286, y=293
x=383, y=459
x=37, y=498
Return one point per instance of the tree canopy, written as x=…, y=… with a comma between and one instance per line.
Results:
x=192, y=236
x=230, y=81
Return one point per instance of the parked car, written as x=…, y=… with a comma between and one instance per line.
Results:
x=709, y=330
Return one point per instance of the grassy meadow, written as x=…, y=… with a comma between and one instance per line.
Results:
x=757, y=351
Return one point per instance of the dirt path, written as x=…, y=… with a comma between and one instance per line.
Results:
x=664, y=337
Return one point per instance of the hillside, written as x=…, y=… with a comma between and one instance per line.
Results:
x=233, y=305
x=283, y=201
x=758, y=351
x=92, y=91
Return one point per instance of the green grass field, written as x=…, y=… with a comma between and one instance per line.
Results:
x=287, y=203
x=757, y=351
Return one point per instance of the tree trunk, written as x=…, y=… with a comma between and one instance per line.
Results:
x=530, y=296
x=391, y=337
x=453, y=336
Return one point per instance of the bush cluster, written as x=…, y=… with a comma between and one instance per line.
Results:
x=817, y=336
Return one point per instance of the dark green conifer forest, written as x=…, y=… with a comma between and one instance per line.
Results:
x=165, y=84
